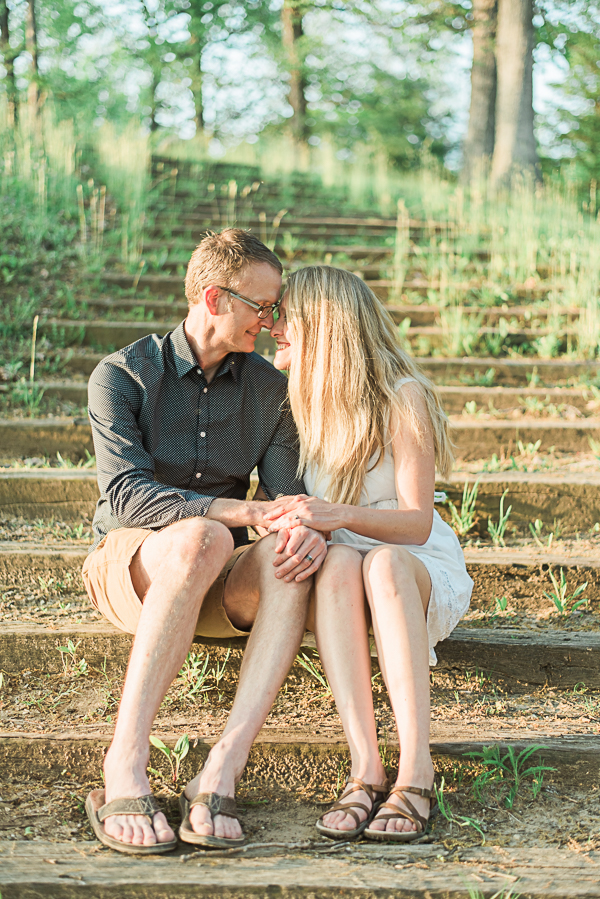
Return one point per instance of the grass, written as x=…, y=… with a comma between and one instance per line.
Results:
x=506, y=772
x=565, y=601
x=464, y=520
x=497, y=531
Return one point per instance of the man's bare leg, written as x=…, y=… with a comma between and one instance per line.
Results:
x=172, y=572
x=272, y=647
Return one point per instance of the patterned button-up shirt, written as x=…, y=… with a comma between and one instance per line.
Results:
x=168, y=443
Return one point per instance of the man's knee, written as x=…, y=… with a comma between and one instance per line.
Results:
x=199, y=540
x=189, y=545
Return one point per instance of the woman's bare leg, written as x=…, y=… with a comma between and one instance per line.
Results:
x=398, y=588
x=341, y=631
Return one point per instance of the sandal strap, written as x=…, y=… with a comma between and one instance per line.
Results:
x=147, y=806
x=418, y=791
x=217, y=805
x=409, y=813
x=356, y=785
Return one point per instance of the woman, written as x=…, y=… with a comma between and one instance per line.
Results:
x=371, y=432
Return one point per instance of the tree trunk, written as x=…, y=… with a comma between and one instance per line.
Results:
x=154, y=126
x=291, y=19
x=8, y=62
x=514, y=146
x=32, y=48
x=479, y=143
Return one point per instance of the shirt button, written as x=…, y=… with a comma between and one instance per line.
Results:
x=198, y=475
x=202, y=434
x=199, y=370
x=205, y=390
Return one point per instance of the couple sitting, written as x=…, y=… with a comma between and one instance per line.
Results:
x=346, y=453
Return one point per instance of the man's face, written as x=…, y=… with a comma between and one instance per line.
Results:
x=239, y=327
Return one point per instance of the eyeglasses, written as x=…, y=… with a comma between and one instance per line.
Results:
x=262, y=310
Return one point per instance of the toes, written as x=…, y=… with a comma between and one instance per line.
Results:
x=201, y=821
x=161, y=829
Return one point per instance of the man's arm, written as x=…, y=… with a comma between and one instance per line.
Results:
x=126, y=469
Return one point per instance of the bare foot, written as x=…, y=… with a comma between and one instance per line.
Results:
x=213, y=779
x=121, y=782
x=420, y=803
x=339, y=820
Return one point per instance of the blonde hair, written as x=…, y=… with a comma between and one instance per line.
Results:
x=342, y=381
x=219, y=258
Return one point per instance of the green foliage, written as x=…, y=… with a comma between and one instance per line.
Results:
x=497, y=531
x=508, y=769
x=464, y=521
x=447, y=813
x=174, y=756
x=564, y=601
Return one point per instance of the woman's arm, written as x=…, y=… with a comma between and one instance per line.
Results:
x=414, y=467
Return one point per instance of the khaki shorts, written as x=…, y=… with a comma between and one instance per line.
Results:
x=108, y=583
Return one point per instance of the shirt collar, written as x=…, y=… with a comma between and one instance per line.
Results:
x=185, y=360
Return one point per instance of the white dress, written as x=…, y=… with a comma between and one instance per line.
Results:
x=451, y=586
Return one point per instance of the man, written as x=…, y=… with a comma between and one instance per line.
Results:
x=179, y=423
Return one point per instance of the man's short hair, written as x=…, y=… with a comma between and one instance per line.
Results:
x=218, y=258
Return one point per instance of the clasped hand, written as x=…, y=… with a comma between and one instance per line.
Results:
x=302, y=537
x=307, y=511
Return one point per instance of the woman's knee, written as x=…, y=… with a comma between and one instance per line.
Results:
x=339, y=561
x=388, y=565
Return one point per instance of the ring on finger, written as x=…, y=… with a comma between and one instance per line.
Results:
x=309, y=557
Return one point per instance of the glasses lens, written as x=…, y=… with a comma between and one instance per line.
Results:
x=265, y=311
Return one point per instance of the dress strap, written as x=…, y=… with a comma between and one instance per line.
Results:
x=403, y=381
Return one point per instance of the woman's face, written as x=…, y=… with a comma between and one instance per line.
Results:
x=280, y=331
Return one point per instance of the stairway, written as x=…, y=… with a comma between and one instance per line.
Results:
x=516, y=673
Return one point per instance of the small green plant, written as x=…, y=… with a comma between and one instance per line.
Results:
x=564, y=601
x=499, y=606
x=29, y=395
x=463, y=521
x=493, y=465
x=595, y=447
x=536, y=529
x=218, y=672
x=88, y=462
x=194, y=673
x=470, y=408
x=509, y=769
x=528, y=451
x=533, y=378
x=308, y=665
x=447, y=813
x=174, y=756
x=72, y=665
x=486, y=379
x=497, y=531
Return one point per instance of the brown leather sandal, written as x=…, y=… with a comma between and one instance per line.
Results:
x=353, y=785
x=409, y=814
x=145, y=806
x=217, y=805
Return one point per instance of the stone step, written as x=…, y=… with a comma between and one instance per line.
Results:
x=572, y=400
x=113, y=335
x=443, y=369
x=555, y=657
x=518, y=574
x=473, y=439
x=172, y=285
x=573, y=499
x=293, y=756
x=423, y=315
x=297, y=870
